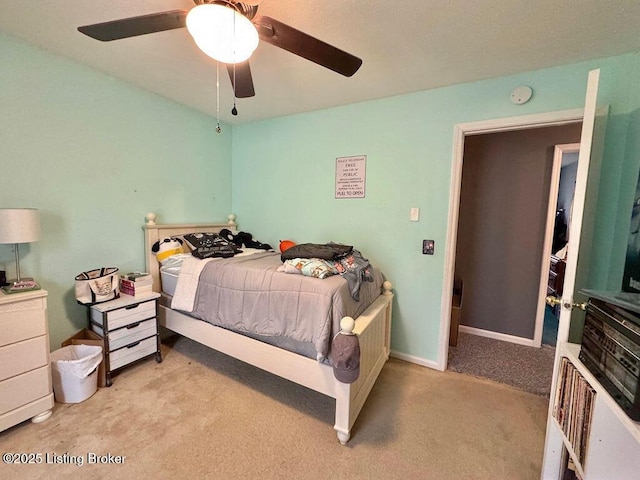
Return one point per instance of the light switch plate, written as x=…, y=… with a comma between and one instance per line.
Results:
x=414, y=214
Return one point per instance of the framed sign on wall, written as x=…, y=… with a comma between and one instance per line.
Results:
x=351, y=176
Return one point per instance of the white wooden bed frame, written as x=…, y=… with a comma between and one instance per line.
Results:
x=373, y=328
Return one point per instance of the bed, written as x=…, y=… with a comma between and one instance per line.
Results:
x=373, y=327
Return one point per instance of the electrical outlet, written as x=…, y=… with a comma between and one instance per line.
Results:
x=428, y=247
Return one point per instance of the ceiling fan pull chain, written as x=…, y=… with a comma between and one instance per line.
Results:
x=234, y=110
x=218, y=129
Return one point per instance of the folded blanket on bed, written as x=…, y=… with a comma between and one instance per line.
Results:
x=187, y=286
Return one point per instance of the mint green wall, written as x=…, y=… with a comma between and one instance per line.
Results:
x=283, y=177
x=95, y=155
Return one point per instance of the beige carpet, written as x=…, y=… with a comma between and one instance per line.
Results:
x=200, y=414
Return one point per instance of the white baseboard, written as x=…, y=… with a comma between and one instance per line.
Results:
x=417, y=360
x=497, y=336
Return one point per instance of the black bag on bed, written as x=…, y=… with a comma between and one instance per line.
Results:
x=324, y=251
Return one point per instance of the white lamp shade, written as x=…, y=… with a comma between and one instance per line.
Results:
x=19, y=225
x=222, y=33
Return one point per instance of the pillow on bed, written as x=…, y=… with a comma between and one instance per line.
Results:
x=208, y=245
x=166, y=248
x=310, y=267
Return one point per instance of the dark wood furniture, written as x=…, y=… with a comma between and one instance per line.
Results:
x=556, y=276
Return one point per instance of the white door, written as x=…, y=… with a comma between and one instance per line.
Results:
x=553, y=444
x=575, y=225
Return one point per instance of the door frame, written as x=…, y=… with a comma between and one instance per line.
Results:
x=460, y=131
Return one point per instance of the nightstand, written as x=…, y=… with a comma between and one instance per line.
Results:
x=129, y=328
x=26, y=390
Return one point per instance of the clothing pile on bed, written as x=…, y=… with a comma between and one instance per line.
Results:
x=323, y=260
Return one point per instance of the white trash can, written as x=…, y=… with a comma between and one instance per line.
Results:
x=74, y=370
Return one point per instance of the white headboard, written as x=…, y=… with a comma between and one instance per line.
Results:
x=154, y=232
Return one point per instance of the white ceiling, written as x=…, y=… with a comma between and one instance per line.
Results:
x=406, y=46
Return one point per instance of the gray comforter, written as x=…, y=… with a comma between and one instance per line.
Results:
x=248, y=294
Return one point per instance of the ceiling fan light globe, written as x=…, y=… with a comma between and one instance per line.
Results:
x=222, y=33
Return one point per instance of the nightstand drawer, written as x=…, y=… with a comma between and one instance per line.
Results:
x=133, y=352
x=23, y=356
x=129, y=334
x=21, y=325
x=126, y=315
x=23, y=389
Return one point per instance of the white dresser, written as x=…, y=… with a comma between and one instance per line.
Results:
x=25, y=369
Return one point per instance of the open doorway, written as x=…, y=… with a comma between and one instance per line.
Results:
x=502, y=226
x=501, y=254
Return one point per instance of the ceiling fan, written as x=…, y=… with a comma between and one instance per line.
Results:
x=239, y=14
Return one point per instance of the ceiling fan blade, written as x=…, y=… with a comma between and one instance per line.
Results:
x=243, y=84
x=134, y=26
x=288, y=38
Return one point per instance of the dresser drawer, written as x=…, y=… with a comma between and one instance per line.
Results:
x=23, y=356
x=129, y=334
x=126, y=315
x=18, y=302
x=23, y=389
x=126, y=355
x=17, y=325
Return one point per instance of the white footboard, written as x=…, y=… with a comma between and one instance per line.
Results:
x=373, y=328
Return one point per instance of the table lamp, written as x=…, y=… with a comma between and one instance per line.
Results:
x=19, y=225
